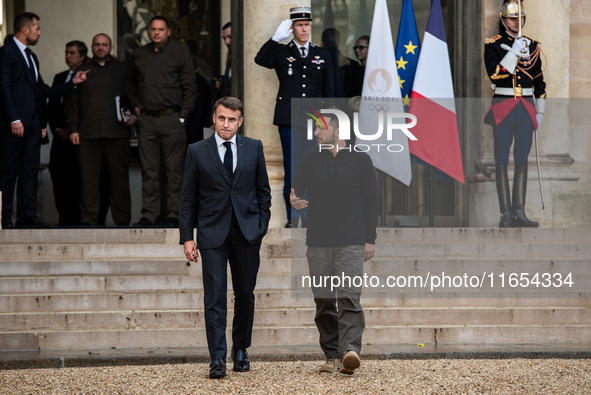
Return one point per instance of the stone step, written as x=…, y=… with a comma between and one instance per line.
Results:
x=391, y=266
x=474, y=250
x=160, y=252
x=451, y=334
x=276, y=299
x=385, y=286
x=95, y=268
x=123, y=252
x=113, y=236
x=125, y=285
x=295, y=317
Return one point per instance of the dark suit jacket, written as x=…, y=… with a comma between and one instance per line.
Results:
x=298, y=78
x=55, y=107
x=210, y=195
x=21, y=97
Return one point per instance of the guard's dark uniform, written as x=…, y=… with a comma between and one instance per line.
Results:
x=310, y=77
x=513, y=116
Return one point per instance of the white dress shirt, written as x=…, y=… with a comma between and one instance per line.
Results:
x=222, y=149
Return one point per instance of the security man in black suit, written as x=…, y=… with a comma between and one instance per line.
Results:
x=514, y=66
x=23, y=120
x=304, y=71
x=63, y=157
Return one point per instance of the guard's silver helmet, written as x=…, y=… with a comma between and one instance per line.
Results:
x=511, y=10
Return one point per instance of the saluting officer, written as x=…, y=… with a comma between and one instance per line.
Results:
x=304, y=71
x=514, y=66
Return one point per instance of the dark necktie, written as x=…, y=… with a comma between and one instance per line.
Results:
x=228, y=160
x=303, y=49
x=30, y=60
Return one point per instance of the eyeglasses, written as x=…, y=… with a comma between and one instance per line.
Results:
x=359, y=47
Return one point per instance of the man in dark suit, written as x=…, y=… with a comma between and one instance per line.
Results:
x=226, y=195
x=23, y=120
x=63, y=157
x=304, y=71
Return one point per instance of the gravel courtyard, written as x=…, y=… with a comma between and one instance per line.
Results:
x=406, y=376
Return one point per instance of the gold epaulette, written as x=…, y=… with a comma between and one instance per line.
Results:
x=492, y=40
x=532, y=40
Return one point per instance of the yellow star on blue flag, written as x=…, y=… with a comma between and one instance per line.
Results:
x=410, y=48
x=406, y=51
x=401, y=63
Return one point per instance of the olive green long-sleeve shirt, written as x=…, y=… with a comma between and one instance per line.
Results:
x=157, y=81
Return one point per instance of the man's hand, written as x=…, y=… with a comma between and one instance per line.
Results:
x=63, y=133
x=17, y=129
x=370, y=250
x=80, y=77
x=283, y=31
x=43, y=133
x=218, y=84
x=520, y=47
x=191, y=251
x=296, y=202
x=132, y=120
x=75, y=138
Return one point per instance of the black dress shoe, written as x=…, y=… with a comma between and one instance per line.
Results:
x=172, y=222
x=241, y=362
x=288, y=224
x=217, y=369
x=144, y=222
x=8, y=225
x=31, y=223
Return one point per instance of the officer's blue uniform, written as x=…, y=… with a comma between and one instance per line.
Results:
x=310, y=77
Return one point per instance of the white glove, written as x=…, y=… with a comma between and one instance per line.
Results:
x=540, y=108
x=521, y=47
x=539, y=118
x=283, y=31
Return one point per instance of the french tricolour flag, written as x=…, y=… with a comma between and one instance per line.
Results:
x=433, y=104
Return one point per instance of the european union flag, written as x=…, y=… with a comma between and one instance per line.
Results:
x=408, y=47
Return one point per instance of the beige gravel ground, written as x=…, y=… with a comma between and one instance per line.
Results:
x=429, y=376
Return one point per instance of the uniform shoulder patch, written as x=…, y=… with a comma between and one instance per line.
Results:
x=492, y=40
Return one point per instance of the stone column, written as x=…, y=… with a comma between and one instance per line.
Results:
x=548, y=24
x=261, y=18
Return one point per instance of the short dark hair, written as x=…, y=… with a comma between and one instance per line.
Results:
x=159, y=18
x=332, y=120
x=24, y=19
x=227, y=25
x=365, y=38
x=80, y=47
x=103, y=34
x=230, y=102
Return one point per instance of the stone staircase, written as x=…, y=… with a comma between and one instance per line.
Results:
x=78, y=289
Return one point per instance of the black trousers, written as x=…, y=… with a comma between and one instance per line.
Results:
x=65, y=177
x=19, y=161
x=244, y=261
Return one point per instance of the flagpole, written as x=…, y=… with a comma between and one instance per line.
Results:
x=519, y=15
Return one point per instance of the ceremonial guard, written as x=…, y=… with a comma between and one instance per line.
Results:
x=304, y=71
x=513, y=63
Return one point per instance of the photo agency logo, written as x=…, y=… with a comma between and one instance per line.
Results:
x=377, y=117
